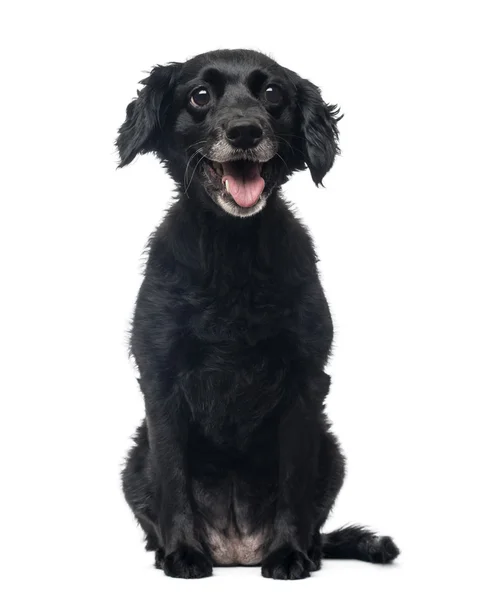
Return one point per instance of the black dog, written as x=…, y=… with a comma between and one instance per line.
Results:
x=235, y=463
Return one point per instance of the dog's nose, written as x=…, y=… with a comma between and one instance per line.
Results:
x=244, y=134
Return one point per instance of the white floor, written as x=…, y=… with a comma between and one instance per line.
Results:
x=424, y=571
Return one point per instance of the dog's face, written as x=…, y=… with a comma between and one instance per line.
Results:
x=232, y=124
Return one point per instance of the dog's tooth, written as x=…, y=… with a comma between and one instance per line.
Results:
x=227, y=185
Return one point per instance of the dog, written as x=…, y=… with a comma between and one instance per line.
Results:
x=235, y=462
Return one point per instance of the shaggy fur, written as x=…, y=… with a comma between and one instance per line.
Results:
x=235, y=462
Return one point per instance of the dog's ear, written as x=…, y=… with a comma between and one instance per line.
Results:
x=145, y=116
x=318, y=122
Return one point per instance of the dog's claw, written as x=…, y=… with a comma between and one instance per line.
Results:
x=187, y=563
x=287, y=563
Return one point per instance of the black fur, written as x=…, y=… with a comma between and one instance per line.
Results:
x=231, y=334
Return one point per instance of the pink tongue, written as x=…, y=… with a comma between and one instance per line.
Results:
x=245, y=187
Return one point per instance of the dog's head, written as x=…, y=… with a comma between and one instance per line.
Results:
x=233, y=124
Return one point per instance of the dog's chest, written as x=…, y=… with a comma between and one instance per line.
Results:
x=235, y=352
x=245, y=308
x=231, y=386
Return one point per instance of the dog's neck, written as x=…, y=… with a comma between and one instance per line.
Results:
x=230, y=249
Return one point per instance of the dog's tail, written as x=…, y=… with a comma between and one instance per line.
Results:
x=359, y=543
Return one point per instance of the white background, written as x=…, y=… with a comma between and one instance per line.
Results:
x=398, y=229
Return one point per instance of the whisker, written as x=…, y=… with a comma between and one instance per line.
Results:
x=280, y=157
x=300, y=137
x=185, y=178
x=194, y=171
x=196, y=144
x=293, y=150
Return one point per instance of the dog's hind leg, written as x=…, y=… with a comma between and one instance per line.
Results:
x=137, y=490
x=152, y=541
x=150, y=537
x=329, y=482
x=315, y=551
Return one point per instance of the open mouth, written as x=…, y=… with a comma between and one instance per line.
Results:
x=242, y=180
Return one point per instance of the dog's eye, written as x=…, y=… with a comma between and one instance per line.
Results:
x=273, y=94
x=200, y=97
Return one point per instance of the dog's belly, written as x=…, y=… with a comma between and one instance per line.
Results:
x=232, y=547
x=236, y=515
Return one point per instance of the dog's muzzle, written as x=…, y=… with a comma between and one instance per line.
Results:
x=237, y=164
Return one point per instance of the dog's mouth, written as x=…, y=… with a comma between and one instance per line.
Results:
x=242, y=180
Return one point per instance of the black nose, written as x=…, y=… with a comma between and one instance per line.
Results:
x=244, y=134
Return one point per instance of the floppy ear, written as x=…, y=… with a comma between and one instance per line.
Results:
x=319, y=129
x=145, y=116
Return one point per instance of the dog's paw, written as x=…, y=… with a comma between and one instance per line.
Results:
x=287, y=563
x=186, y=563
x=379, y=549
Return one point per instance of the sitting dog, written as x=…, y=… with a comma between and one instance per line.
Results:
x=235, y=463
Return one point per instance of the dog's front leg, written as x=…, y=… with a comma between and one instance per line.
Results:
x=299, y=440
x=182, y=554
